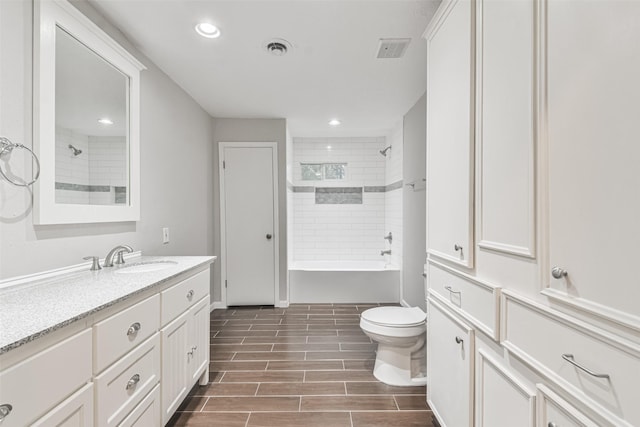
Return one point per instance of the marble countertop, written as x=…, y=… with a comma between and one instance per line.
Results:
x=31, y=310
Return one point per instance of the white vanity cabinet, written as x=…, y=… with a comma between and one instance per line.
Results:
x=450, y=133
x=593, y=155
x=185, y=341
x=113, y=366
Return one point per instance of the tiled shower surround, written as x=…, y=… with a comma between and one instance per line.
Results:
x=97, y=175
x=343, y=219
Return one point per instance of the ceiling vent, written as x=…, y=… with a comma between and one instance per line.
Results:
x=278, y=47
x=392, y=48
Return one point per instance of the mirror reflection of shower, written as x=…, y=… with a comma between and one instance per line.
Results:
x=76, y=151
x=384, y=152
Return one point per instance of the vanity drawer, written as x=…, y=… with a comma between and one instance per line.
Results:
x=117, y=335
x=180, y=297
x=147, y=413
x=45, y=379
x=554, y=411
x=573, y=354
x=474, y=300
x=122, y=387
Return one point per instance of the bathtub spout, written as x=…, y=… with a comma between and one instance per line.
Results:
x=387, y=252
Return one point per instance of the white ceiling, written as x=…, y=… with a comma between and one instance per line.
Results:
x=330, y=72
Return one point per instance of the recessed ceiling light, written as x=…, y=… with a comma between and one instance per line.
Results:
x=105, y=121
x=334, y=122
x=207, y=30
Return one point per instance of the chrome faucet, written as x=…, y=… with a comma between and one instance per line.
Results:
x=117, y=253
x=387, y=252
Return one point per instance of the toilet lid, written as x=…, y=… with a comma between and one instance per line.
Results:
x=395, y=316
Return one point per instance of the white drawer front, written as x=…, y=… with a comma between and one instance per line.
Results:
x=117, y=335
x=553, y=411
x=37, y=384
x=180, y=297
x=476, y=301
x=147, y=413
x=546, y=339
x=121, y=387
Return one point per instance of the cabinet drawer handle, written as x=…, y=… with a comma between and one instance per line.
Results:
x=133, y=329
x=457, y=247
x=133, y=381
x=452, y=291
x=559, y=273
x=552, y=424
x=190, y=294
x=459, y=340
x=569, y=358
x=5, y=409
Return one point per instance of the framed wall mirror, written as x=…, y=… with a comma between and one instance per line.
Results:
x=86, y=120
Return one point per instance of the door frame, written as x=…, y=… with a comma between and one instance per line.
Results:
x=276, y=217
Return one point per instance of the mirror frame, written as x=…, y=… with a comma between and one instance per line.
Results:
x=49, y=14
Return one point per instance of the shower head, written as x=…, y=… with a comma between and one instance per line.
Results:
x=384, y=152
x=76, y=151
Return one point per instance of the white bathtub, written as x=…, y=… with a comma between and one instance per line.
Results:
x=343, y=282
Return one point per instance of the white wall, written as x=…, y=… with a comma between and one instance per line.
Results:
x=176, y=172
x=393, y=195
x=251, y=130
x=413, y=202
x=331, y=232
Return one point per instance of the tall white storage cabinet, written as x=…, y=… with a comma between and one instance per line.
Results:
x=546, y=286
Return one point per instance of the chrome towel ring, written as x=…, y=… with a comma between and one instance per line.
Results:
x=6, y=147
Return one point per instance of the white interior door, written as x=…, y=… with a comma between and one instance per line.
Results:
x=249, y=226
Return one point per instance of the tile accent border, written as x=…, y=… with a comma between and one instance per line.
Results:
x=338, y=195
x=84, y=187
x=366, y=189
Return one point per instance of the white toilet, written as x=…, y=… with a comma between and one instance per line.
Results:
x=400, y=334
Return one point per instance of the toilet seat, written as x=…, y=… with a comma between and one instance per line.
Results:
x=395, y=317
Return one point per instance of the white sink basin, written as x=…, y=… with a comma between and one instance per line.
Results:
x=145, y=267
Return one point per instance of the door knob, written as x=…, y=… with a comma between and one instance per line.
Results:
x=269, y=236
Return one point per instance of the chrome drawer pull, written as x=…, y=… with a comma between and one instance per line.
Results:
x=133, y=329
x=451, y=290
x=5, y=409
x=190, y=294
x=133, y=381
x=569, y=358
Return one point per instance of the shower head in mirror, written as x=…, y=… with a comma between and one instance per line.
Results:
x=76, y=151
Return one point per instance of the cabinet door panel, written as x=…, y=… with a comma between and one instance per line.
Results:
x=506, y=130
x=199, y=319
x=76, y=411
x=593, y=153
x=449, y=367
x=175, y=342
x=450, y=133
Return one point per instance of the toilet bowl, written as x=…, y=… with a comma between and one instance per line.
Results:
x=400, y=334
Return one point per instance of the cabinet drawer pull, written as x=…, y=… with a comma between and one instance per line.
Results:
x=552, y=424
x=5, y=409
x=133, y=381
x=190, y=294
x=459, y=340
x=569, y=358
x=133, y=329
x=457, y=247
x=559, y=273
x=452, y=291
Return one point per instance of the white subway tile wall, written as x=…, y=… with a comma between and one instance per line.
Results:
x=102, y=163
x=331, y=232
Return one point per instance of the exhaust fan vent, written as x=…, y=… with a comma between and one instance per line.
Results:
x=392, y=48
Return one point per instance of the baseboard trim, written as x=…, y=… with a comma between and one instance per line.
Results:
x=217, y=305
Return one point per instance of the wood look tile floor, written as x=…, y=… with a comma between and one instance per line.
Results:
x=306, y=365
